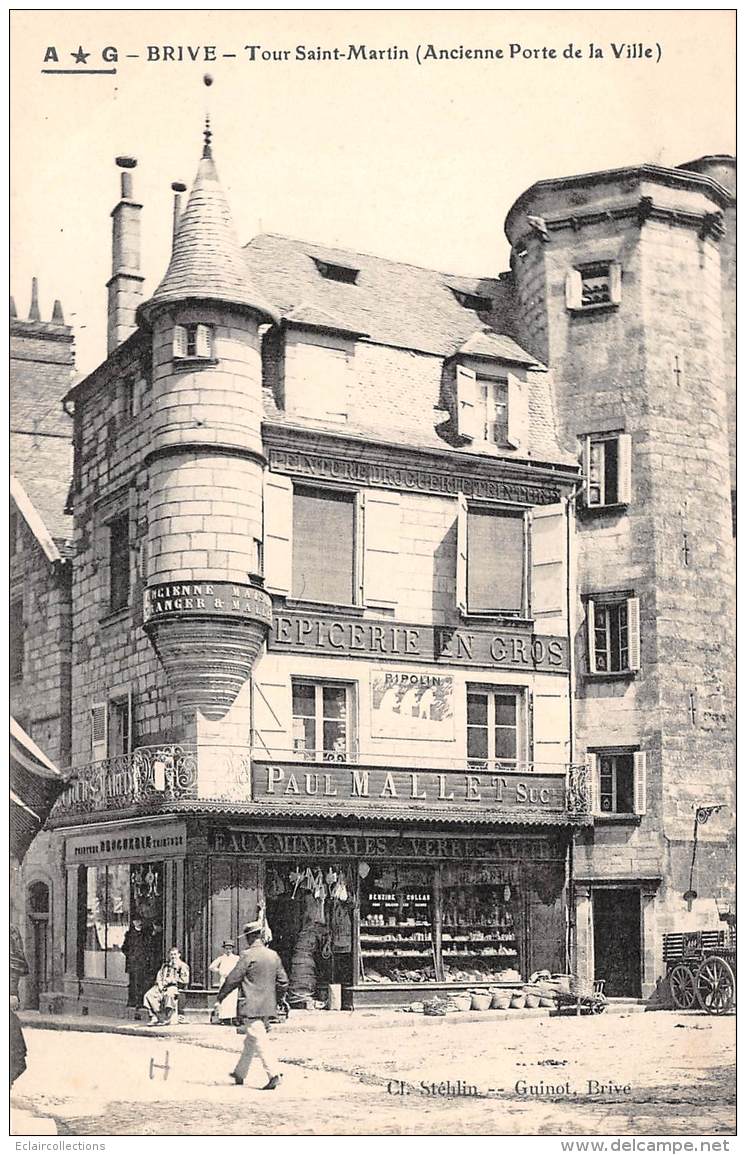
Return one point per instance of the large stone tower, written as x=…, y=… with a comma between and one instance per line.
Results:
x=619, y=283
x=206, y=612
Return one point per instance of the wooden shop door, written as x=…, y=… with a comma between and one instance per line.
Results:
x=616, y=940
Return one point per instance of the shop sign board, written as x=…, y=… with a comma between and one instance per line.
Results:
x=410, y=478
x=194, y=599
x=509, y=793
x=411, y=704
x=338, y=844
x=355, y=637
x=127, y=843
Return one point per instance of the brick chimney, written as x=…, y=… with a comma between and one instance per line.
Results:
x=125, y=284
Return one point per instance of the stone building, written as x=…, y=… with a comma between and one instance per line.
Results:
x=40, y=572
x=401, y=604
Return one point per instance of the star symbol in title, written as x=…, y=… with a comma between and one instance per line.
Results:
x=80, y=57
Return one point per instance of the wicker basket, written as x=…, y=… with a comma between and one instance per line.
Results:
x=481, y=1000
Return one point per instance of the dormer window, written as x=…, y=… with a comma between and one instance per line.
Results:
x=473, y=301
x=344, y=273
x=193, y=343
x=491, y=410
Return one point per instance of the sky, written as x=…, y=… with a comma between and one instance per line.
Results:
x=418, y=161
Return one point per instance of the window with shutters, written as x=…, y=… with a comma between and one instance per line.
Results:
x=119, y=562
x=495, y=727
x=618, y=780
x=492, y=397
x=491, y=561
x=597, y=285
x=120, y=726
x=322, y=715
x=323, y=546
x=607, y=469
x=193, y=343
x=16, y=638
x=491, y=410
x=613, y=623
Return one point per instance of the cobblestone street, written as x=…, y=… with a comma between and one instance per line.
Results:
x=641, y=1074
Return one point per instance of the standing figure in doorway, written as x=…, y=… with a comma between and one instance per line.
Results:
x=260, y=978
x=222, y=966
x=136, y=950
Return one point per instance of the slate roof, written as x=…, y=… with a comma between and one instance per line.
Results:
x=41, y=453
x=44, y=466
x=206, y=261
x=391, y=302
x=486, y=343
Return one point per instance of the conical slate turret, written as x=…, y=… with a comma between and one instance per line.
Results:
x=207, y=262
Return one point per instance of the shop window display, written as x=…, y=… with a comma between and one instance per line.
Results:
x=118, y=898
x=397, y=940
x=479, y=935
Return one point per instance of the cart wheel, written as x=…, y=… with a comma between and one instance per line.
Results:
x=683, y=990
x=716, y=985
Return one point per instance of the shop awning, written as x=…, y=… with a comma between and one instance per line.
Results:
x=35, y=783
x=485, y=816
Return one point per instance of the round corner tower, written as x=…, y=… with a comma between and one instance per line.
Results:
x=619, y=284
x=206, y=612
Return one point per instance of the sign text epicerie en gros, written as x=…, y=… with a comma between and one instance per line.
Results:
x=362, y=637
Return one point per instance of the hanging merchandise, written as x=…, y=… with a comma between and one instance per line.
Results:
x=297, y=877
x=341, y=928
x=340, y=889
x=363, y=869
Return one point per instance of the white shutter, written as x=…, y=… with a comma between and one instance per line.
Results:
x=574, y=290
x=462, y=548
x=271, y=718
x=586, y=464
x=203, y=341
x=548, y=583
x=624, y=468
x=180, y=341
x=382, y=514
x=590, y=625
x=128, y=735
x=99, y=731
x=640, y=761
x=358, y=530
x=517, y=413
x=595, y=783
x=633, y=633
x=615, y=283
x=467, y=413
x=278, y=532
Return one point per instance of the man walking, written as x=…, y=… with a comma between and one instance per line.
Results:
x=259, y=977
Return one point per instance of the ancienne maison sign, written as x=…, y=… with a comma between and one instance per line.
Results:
x=386, y=475
x=362, y=637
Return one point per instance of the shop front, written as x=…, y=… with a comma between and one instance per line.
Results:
x=125, y=888
x=395, y=915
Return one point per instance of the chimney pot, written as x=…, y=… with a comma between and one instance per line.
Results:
x=33, y=313
x=58, y=317
x=178, y=188
x=13, y=310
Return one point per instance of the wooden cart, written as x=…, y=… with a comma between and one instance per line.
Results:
x=586, y=997
x=701, y=969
